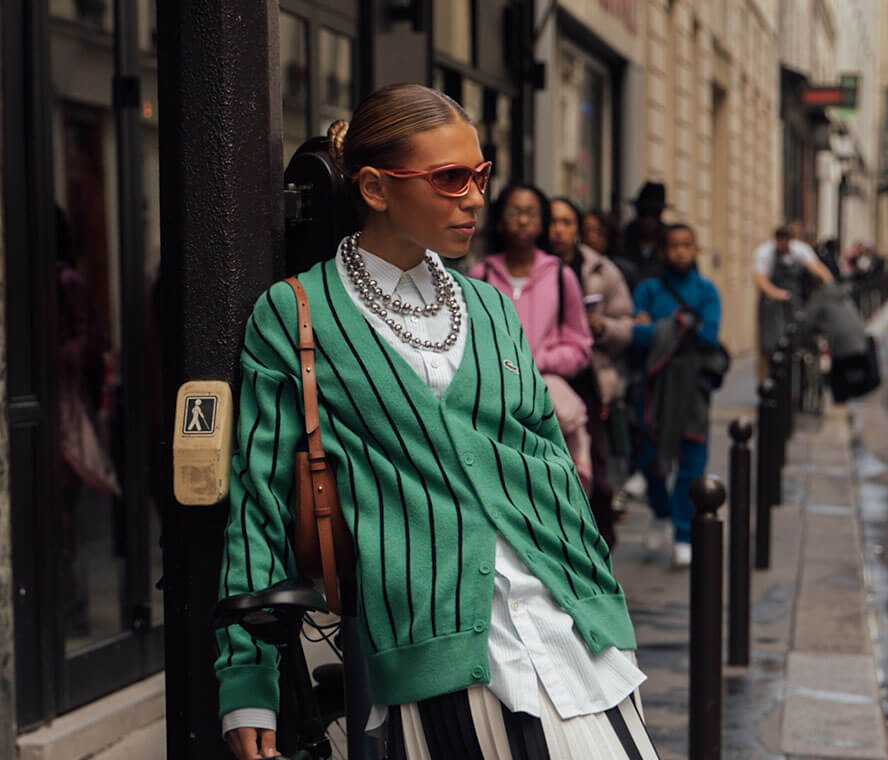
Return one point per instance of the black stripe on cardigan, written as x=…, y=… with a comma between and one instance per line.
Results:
x=499, y=364
x=499, y=467
x=383, y=574
x=351, y=485
x=434, y=450
x=372, y=385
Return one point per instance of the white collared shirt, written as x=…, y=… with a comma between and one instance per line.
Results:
x=531, y=637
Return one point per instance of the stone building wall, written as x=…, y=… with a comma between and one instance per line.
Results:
x=712, y=94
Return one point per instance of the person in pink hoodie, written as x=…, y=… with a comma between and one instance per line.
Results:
x=549, y=302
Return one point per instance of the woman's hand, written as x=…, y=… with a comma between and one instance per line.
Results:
x=251, y=743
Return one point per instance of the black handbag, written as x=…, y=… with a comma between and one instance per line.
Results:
x=855, y=376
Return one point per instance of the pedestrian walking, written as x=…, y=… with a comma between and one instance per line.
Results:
x=491, y=620
x=779, y=270
x=609, y=312
x=549, y=302
x=676, y=325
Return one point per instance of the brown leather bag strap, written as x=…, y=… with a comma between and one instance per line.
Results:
x=307, y=360
x=323, y=505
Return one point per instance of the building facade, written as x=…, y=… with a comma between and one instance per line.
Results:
x=857, y=149
x=688, y=92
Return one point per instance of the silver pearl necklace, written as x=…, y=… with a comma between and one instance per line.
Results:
x=381, y=303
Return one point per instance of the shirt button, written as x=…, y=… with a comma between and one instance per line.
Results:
x=414, y=319
x=479, y=627
x=516, y=606
x=468, y=459
x=484, y=569
x=477, y=672
x=434, y=363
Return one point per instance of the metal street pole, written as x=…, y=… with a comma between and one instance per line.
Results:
x=221, y=183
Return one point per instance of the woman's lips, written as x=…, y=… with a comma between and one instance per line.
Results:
x=465, y=229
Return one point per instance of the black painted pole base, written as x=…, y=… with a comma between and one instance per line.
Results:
x=705, y=724
x=738, y=558
x=766, y=466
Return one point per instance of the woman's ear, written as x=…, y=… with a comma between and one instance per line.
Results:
x=372, y=188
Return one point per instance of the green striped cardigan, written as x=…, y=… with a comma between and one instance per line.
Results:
x=425, y=485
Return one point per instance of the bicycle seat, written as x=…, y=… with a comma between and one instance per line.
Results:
x=274, y=614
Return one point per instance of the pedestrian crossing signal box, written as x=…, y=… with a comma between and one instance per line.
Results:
x=202, y=443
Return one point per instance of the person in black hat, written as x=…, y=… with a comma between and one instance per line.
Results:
x=643, y=236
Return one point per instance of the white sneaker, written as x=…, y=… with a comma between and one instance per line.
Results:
x=636, y=485
x=681, y=554
x=657, y=535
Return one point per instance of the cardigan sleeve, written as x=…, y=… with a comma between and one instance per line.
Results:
x=568, y=348
x=257, y=552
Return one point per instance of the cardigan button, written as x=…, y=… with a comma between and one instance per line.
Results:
x=479, y=627
x=469, y=459
x=477, y=672
x=484, y=569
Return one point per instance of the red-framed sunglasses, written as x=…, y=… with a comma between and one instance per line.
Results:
x=452, y=180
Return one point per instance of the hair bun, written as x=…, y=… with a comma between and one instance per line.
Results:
x=336, y=136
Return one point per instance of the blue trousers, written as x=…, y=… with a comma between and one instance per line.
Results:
x=691, y=465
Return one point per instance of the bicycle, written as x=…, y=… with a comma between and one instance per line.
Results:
x=276, y=615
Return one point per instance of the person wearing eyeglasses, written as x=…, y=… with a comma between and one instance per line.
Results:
x=549, y=301
x=490, y=617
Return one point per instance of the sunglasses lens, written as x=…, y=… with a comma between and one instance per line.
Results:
x=452, y=180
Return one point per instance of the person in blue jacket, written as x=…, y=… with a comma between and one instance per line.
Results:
x=677, y=318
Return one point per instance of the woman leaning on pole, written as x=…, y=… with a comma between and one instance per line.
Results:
x=491, y=621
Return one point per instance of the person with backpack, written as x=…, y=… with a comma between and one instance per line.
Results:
x=549, y=301
x=609, y=313
x=779, y=269
x=489, y=614
x=677, y=321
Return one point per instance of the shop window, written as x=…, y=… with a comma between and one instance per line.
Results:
x=335, y=77
x=583, y=116
x=294, y=81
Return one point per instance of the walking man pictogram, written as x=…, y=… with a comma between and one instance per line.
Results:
x=196, y=416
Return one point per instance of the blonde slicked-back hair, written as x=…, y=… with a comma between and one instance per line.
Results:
x=380, y=130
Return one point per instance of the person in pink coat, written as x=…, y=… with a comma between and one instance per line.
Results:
x=549, y=302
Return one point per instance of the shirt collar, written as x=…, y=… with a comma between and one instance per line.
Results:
x=388, y=276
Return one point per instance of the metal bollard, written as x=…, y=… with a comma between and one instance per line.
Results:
x=738, y=550
x=795, y=372
x=786, y=344
x=767, y=470
x=778, y=374
x=707, y=570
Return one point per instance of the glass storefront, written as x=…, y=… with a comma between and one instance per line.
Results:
x=583, y=116
x=336, y=77
x=294, y=81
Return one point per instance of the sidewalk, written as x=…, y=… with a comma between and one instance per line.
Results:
x=811, y=689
